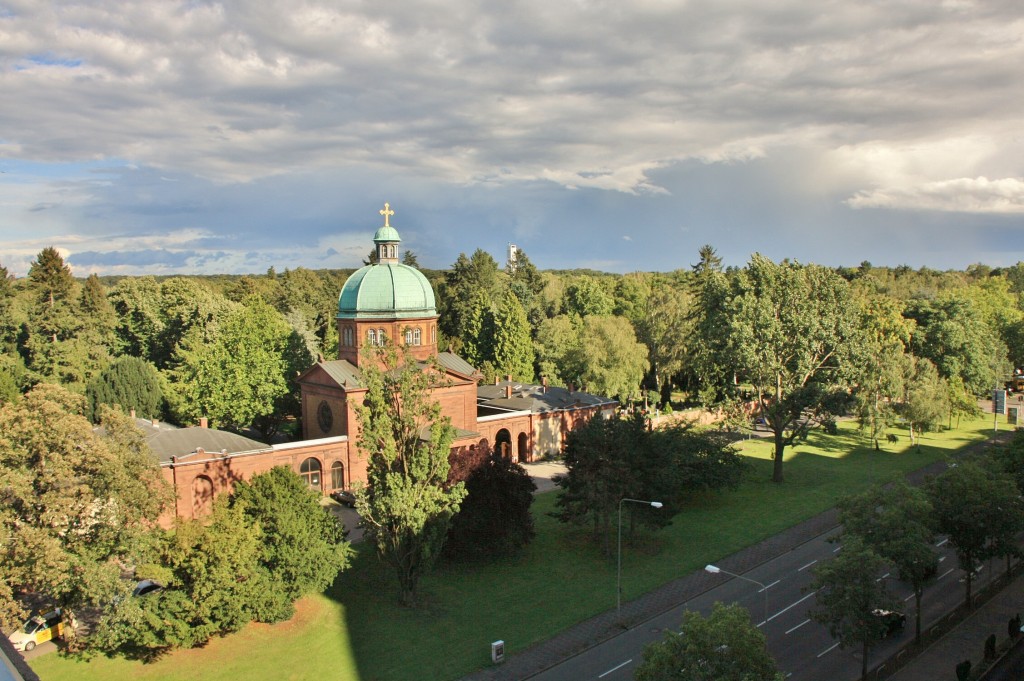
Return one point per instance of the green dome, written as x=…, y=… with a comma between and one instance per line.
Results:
x=386, y=291
x=386, y=233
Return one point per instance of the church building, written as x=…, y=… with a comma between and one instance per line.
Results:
x=388, y=302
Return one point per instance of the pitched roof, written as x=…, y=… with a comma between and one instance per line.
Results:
x=449, y=360
x=185, y=442
x=536, y=398
x=341, y=371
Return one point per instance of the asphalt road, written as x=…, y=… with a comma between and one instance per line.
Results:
x=804, y=650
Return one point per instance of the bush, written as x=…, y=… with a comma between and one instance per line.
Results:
x=494, y=519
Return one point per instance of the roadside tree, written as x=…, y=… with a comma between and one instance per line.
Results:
x=724, y=646
x=897, y=522
x=850, y=596
x=979, y=512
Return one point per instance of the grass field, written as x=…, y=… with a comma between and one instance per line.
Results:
x=358, y=632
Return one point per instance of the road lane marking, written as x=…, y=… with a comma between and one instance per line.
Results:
x=942, y=542
x=836, y=549
x=908, y=598
x=834, y=646
x=942, y=559
x=944, y=574
x=769, y=586
x=882, y=577
x=797, y=626
x=615, y=669
x=792, y=606
x=808, y=565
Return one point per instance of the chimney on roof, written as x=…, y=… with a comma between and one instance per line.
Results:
x=204, y=422
x=543, y=384
x=572, y=388
x=131, y=412
x=508, y=377
x=508, y=391
x=495, y=380
x=155, y=423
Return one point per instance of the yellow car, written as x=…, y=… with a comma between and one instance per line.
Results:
x=38, y=629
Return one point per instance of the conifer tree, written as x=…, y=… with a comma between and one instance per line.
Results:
x=513, y=349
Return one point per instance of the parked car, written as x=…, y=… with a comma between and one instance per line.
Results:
x=893, y=621
x=344, y=497
x=38, y=629
x=147, y=586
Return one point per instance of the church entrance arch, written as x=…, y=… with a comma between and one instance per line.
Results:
x=503, y=444
x=524, y=447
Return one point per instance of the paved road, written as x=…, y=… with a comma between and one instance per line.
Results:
x=804, y=650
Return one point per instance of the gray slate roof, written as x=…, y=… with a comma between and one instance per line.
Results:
x=527, y=396
x=167, y=441
x=342, y=371
x=450, y=360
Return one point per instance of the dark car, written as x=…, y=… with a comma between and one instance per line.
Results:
x=892, y=620
x=344, y=497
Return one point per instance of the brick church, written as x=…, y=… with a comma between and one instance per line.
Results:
x=385, y=302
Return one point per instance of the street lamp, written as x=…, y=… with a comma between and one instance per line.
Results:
x=714, y=569
x=618, y=578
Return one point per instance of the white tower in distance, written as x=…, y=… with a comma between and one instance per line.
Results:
x=512, y=250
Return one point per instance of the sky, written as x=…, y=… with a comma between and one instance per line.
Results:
x=142, y=137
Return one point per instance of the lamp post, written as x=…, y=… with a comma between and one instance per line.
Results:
x=618, y=578
x=714, y=569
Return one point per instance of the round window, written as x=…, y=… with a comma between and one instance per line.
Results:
x=324, y=417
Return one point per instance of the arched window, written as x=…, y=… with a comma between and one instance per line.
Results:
x=371, y=337
x=381, y=337
x=408, y=336
x=433, y=334
x=337, y=475
x=415, y=336
x=202, y=496
x=348, y=336
x=310, y=472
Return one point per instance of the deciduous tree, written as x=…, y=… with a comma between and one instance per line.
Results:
x=724, y=646
x=494, y=519
x=897, y=523
x=408, y=504
x=848, y=594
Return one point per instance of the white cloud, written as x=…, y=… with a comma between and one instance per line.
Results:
x=962, y=195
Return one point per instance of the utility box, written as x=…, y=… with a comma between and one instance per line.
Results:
x=498, y=652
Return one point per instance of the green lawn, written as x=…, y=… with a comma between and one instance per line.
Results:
x=358, y=632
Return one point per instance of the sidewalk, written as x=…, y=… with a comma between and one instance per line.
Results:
x=967, y=640
x=526, y=663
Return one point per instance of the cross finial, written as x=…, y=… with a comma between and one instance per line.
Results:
x=387, y=213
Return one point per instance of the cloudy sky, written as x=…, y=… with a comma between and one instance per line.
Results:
x=198, y=137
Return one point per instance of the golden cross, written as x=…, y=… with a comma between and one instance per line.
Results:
x=387, y=212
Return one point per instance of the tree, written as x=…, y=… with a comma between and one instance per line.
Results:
x=608, y=360
x=128, y=383
x=880, y=363
x=609, y=459
x=554, y=346
x=52, y=320
x=788, y=329
x=409, y=258
x=75, y=504
x=848, y=594
x=724, y=646
x=240, y=375
x=585, y=296
x=979, y=512
x=137, y=304
x=896, y=522
x=952, y=334
x=513, y=349
x=926, y=403
x=407, y=506
x=303, y=547
x=494, y=519
x=665, y=328
x=463, y=283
